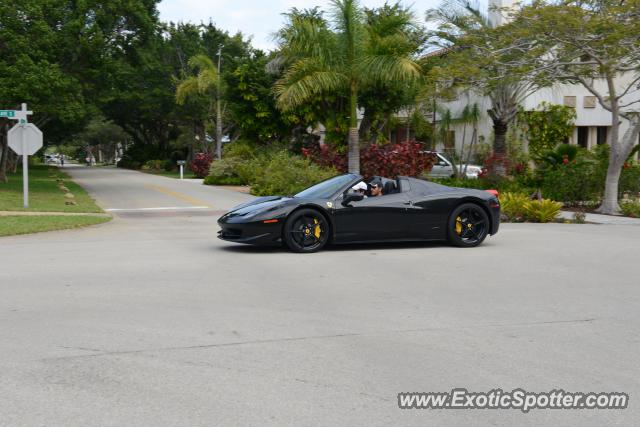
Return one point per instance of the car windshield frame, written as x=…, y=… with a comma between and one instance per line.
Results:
x=329, y=187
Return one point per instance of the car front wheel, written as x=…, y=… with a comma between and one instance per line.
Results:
x=305, y=231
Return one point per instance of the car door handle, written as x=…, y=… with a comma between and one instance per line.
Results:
x=408, y=203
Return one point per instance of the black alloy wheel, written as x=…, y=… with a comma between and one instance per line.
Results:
x=468, y=225
x=305, y=231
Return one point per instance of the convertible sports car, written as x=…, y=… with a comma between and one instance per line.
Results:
x=333, y=211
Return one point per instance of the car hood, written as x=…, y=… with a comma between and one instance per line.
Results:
x=256, y=205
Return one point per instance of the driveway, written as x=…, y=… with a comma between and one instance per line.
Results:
x=151, y=320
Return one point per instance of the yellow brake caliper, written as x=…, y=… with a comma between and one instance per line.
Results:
x=458, y=226
x=316, y=230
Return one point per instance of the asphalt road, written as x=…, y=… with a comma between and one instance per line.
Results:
x=150, y=320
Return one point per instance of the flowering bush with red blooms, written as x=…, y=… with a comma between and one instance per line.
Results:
x=405, y=158
x=519, y=168
x=200, y=164
x=326, y=156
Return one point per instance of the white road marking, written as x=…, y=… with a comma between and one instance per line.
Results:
x=167, y=208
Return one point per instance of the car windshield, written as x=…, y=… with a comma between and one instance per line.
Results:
x=326, y=189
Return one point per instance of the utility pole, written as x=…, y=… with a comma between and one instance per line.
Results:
x=219, y=109
x=433, y=129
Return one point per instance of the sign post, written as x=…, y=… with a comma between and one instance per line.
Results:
x=25, y=168
x=24, y=139
x=181, y=163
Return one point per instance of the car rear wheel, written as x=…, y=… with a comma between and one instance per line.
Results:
x=468, y=225
x=305, y=231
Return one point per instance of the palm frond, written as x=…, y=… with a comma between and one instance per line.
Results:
x=201, y=62
x=305, y=79
x=187, y=88
x=207, y=79
x=389, y=68
x=306, y=35
x=348, y=20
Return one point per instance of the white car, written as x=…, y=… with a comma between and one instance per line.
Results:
x=443, y=168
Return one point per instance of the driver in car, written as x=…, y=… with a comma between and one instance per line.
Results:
x=376, y=187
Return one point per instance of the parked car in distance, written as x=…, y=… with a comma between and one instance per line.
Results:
x=52, y=159
x=443, y=168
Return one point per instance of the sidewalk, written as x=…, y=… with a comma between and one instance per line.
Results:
x=603, y=219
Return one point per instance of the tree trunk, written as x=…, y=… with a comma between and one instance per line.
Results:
x=218, y=129
x=500, y=129
x=354, y=140
x=617, y=157
x=474, y=137
x=610, y=204
x=364, y=131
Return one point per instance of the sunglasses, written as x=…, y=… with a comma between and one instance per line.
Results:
x=375, y=186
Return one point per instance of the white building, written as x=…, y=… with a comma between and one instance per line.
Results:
x=592, y=124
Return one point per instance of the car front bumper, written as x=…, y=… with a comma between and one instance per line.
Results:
x=254, y=233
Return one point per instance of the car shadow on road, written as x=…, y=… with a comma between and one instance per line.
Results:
x=251, y=249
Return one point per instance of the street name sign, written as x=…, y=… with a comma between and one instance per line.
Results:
x=7, y=113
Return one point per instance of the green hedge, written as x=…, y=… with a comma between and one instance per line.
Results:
x=268, y=171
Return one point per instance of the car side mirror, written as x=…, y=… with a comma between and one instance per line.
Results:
x=351, y=197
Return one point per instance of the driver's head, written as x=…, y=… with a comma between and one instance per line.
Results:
x=376, y=187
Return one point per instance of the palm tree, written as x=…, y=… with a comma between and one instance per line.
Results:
x=460, y=17
x=340, y=56
x=205, y=82
x=470, y=115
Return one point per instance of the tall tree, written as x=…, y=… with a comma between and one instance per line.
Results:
x=463, y=31
x=594, y=43
x=55, y=56
x=337, y=56
x=204, y=83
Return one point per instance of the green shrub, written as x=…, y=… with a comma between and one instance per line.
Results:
x=153, y=165
x=286, y=174
x=240, y=150
x=223, y=172
x=542, y=210
x=576, y=181
x=631, y=208
x=268, y=171
x=169, y=165
x=236, y=166
x=630, y=179
x=513, y=206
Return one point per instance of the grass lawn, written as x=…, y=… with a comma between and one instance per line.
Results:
x=12, y=225
x=44, y=192
x=172, y=174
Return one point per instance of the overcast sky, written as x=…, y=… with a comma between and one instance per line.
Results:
x=259, y=18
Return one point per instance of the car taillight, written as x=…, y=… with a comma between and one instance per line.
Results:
x=494, y=192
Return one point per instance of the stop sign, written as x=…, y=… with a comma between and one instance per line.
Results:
x=32, y=139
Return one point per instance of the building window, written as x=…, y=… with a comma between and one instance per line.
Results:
x=589, y=102
x=602, y=135
x=583, y=136
x=570, y=101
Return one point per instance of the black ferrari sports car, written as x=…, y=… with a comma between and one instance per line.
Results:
x=348, y=209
